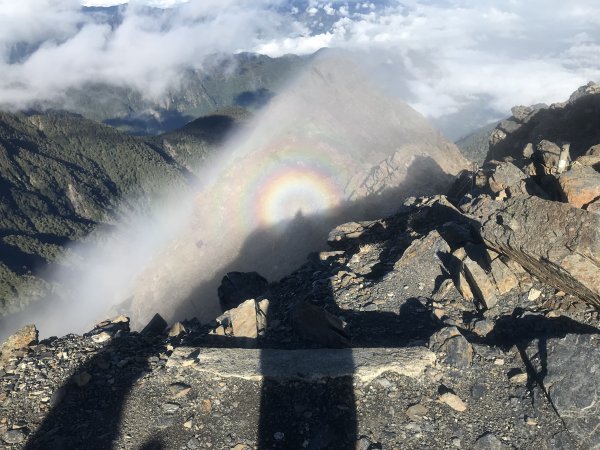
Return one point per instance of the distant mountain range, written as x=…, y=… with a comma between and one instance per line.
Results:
x=243, y=80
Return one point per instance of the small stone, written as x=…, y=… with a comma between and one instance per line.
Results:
x=498, y=362
x=13, y=436
x=279, y=436
x=533, y=295
x=478, y=391
x=518, y=378
x=179, y=390
x=453, y=401
x=101, y=337
x=416, y=412
x=187, y=424
x=193, y=444
x=456, y=442
x=206, y=406
x=386, y=384
x=163, y=422
x=531, y=421
x=458, y=351
x=363, y=443
x=57, y=397
x=241, y=447
x=81, y=379
x=170, y=408
x=489, y=441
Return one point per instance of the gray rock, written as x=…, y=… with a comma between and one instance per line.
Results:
x=569, y=369
x=317, y=325
x=481, y=285
x=506, y=175
x=163, y=422
x=556, y=242
x=489, y=441
x=548, y=154
x=416, y=412
x=18, y=342
x=363, y=443
x=236, y=287
x=194, y=444
x=422, y=261
x=580, y=185
x=458, y=351
x=156, y=325
x=13, y=436
x=170, y=408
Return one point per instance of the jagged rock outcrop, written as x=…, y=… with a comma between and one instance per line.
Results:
x=557, y=242
x=574, y=122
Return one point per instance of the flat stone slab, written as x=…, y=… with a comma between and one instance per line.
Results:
x=365, y=364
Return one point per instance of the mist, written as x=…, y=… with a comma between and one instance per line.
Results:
x=321, y=153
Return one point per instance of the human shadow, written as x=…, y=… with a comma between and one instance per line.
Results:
x=87, y=409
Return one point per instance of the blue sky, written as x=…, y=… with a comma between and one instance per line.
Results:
x=443, y=57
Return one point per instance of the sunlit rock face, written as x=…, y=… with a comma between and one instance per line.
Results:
x=329, y=149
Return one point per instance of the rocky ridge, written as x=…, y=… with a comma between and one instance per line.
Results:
x=462, y=321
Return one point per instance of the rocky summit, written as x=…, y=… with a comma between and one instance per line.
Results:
x=466, y=320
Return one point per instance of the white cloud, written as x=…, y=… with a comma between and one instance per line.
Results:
x=446, y=54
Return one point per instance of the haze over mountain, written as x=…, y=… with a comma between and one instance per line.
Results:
x=67, y=183
x=329, y=148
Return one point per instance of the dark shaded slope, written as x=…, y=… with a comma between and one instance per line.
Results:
x=60, y=176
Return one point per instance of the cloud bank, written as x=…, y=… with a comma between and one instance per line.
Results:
x=442, y=56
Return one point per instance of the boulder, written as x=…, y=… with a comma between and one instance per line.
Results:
x=156, y=325
x=340, y=235
x=504, y=278
x=18, y=343
x=594, y=207
x=243, y=320
x=480, y=283
x=580, y=185
x=569, y=368
x=421, y=264
x=594, y=150
x=177, y=329
x=317, y=325
x=457, y=351
x=548, y=154
x=589, y=160
x=556, y=242
x=236, y=287
x=506, y=175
